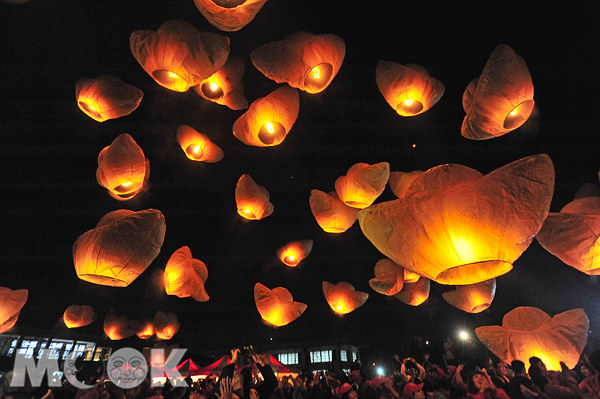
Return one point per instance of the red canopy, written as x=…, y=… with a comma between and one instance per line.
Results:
x=213, y=368
x=277, y=366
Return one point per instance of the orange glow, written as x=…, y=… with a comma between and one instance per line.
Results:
x=414, y=294
x=473, y=298
x=227, y=15
x=411, y=277
x=363, y=183
x=277, y=306
x=173, y=75
x=185, y=276
x=11, y=303
x=146, y=331
x=214, y=86
x=78, y=316
x=117, y=327
x=226, y=86
x=252, y=200
x=331, y=214
x=106, y=97
x=315, y=73
x=389, y=277
x=165, y=325
x=294, y=252
x=197, y=146
x=408, y=103
x=342, y=297
x=269, y=127
x=513, y=112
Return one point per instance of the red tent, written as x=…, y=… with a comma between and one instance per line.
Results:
x=278, y=367
x=187, y=368
x=214, y=368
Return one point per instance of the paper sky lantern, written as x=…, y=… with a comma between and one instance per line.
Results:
x=79, y=316
x=362, y=184
x=185, y=276
x=122, y=168
x=294, y=252
x=528, y=331
x=197, y=146
x=106, y=97
x=229, y=15
x=458, y=228
x=472, y=298
x=407, y=88
x=400, y=181
x=165, y=325
x=389, y=277
x=414, y=294
x=178, y=56
x=331, y=213
x=226, y=86
x=252, y=200
x=342, y=297
x=277, y=306
x=501, y=99
x=117, y=327
x=302, y=60
x=120, y=248
x=144, y=328
x=11, y=303
x=411, y=277
x=269, y=119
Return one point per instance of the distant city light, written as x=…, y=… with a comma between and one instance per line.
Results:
x=379, y=371
x=426, y=342
x=464, y=335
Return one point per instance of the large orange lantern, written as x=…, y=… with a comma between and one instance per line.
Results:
x=501, y=99
x=226, y=86
x=120, y=248
x=331, y=213
x=252, y=200
x=302, y=60
x=342, y=297
x=407, y=88
x=79, y=316
x=229, y=15
x=294, y=252
x=414, y=294
x=472, y=298
x=362, y=184
x=122, y=168
x=165, y=325
x=400, y=181
x=277, y=306
x=185, y=276
x=117, y=327
x=178, y=56
x=389, y=277
x=411, y=277
x=144, y=328
x=455, y=226
x=528, y=331
x=269, y=119
x=197, y=146
x=11, y=303
x=106, y=97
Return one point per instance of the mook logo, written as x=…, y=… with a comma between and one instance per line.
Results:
x=126, y=368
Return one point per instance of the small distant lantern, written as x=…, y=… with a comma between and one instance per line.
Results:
x=342, y=297
x=400, y=181
x=294, y=252
x=269, y=119
x=414, y=294
x=229, y=15
x=122, y=168
x=277, y=306
x=226, y=86
x=362, y=184
x=144, y=328
x=79, y=316
x=252, y=200
x=165, y=325
x=472, y=298
x=411, y=277
x=178, y=56
x=117, y=327
x=389, y=277
x=197, y=146
x=106, y=97
x=11, y=303
x=185, y=276
x=501, y=99
x=528, y=331
x=331, y=213
x=408, y=89
x=120, y=248
x=302, y=60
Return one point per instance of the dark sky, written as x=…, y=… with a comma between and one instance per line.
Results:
x=49, y=149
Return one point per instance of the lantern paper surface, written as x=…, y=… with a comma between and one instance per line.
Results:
x=120, y=248
x=414, y=294
x=197, y=146
x=528, y=331
x=269, y=119
x=11, y=303
x=106, y=97
x=342, y=297
x=362, y=184
x=469, y=229
x=400, y=181
x=79, y=316
x=501, y=99
x=331, y=213
x=302, y=60
x=389, y=277
x=252, y=200
x=226, y=86
x=294, y=252
x=408, y=89
x=229, y=15
x=411, y=277
x=472, y=298
x=144, y=328
x=185, y=276
x=117, y=327
x=277, y=306
x=165, y=325
x=177, y=56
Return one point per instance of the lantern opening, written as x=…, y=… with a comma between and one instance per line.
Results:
x=291, y=260
x=477, y=271
x=318, y=77
x=103, y=280
x=90, y=110
x=409, y=107
x=170, y=80
x=480, y=308
x=519, y=115
x=194, y=151
x=247, y=213
x=271, y=132
x=212, y=91
x=127, y=189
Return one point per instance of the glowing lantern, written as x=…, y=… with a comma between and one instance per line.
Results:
x=294, y=252
x=501, y=99
x=178, y=56
x=269, y=119
x=229, y=15
x=411, y=277
x=400, y=181
x=165, y=325
x=120, y=248
x=407, y=88
x=144, y=328
x=362, y=184
x=389, y=277
x=457, y=228
x=106, y=97
x=197, y=146
x=528, y=331
x=11, y=303
x=122, y=168
x=277, y=306
x=332, y=214
x=225, y=86
x=472, y=298
x=252, y=200
x=185, y=276
x=117, y=327
x=302, y=60
x=79, y=316
x=414, y=294
x=342, y=297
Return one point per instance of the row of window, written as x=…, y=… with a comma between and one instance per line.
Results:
x=316, y=357
x=52, y=348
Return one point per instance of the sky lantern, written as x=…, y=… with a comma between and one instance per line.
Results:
x=229, y=15
x=472, y=298
x=457, y=227
x=165, y=325
x=414, y=294
x=106, y=97
x=501, y=99
x=400, y=181
x=177, y=55
x=185, y=276
x=79, y=316
x=294, y=252
x=389, y=277
x=197, y=146
x=269, y=119
x=120, y=248
x=117, y=327
x=362, y=184
x=122, y=168
x=11, y=303
x=528, y=331
x=277, y=306
x=407, y=88
x=302, y=60
x=252, y=200
x=144, y=329
x=342, y=297
x=331, y=213
x=411, y=277
x=226, y=86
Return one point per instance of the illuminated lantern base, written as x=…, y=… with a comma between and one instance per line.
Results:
x=519, y=115
x=79, y=316
x=342, y=297
x=198, y=146
x=271, y=132
x=277, y=306
x=409, y=107
x=252, y=199
x=474, y=298
x=194, y=152
x=170, y=80
x=318, y=78
x=363, y=183
x=294, y=252
x=211, y=90
x=331, y=214
x=91, y=111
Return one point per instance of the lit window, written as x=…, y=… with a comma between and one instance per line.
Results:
x=288, y=358
x=343, y=356
x=354, y=357
x=347, y=371
x=321, y=356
